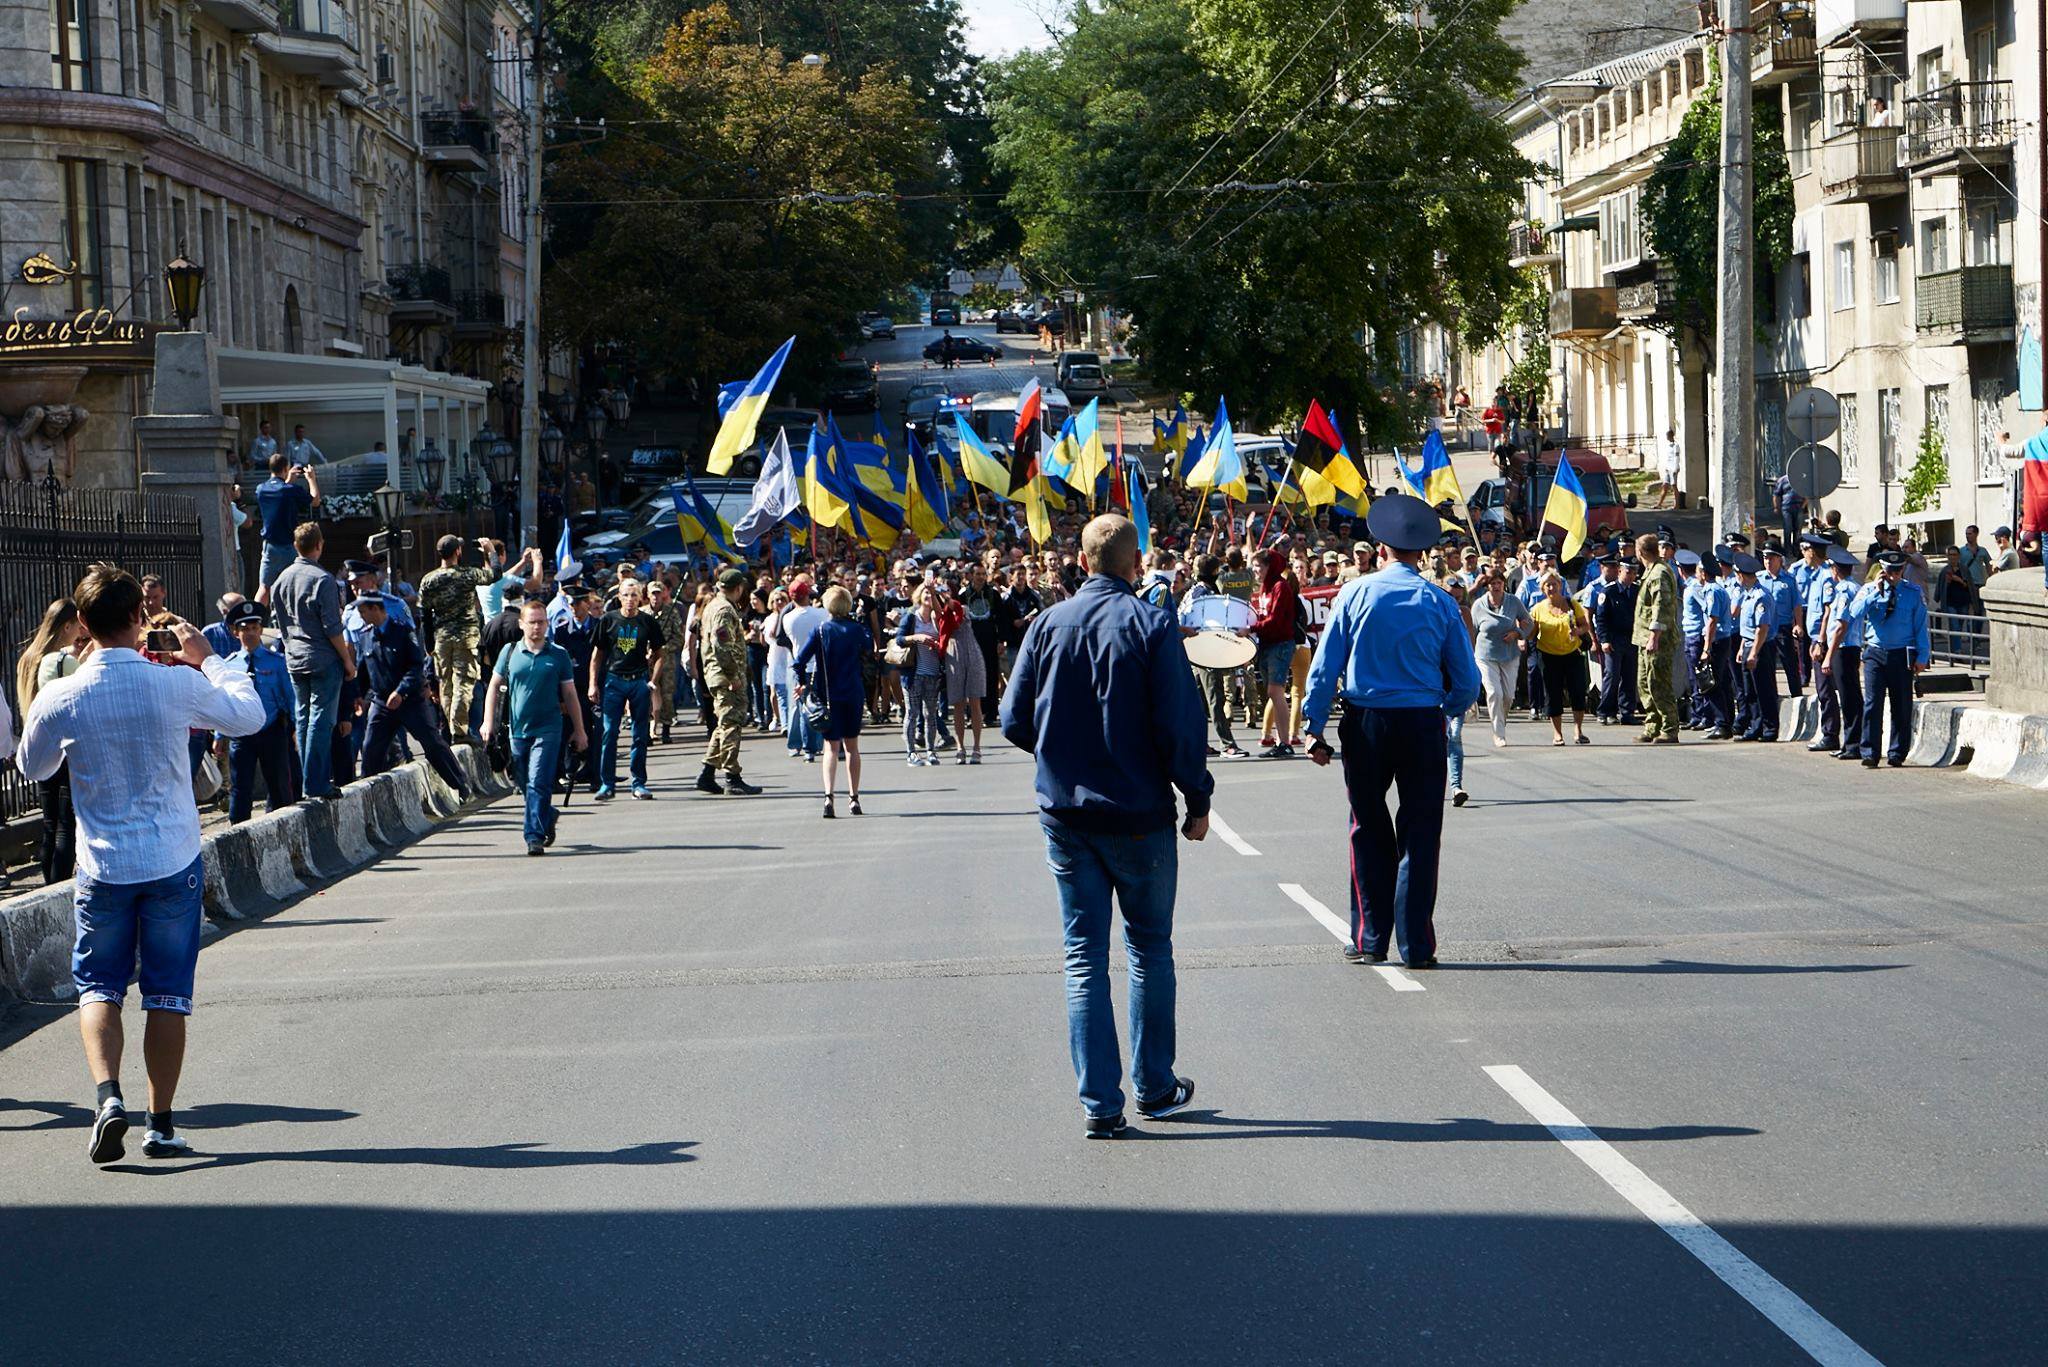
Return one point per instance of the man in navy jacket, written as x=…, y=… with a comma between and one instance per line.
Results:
x=1103, y=696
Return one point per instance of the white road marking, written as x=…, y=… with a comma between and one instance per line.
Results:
x=1230, y=837
x=1340, y=928
x=1778, y=1303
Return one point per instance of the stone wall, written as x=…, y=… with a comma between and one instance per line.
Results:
x=1559, y=37
x=2018, y=608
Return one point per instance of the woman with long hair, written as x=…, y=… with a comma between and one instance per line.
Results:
x=777, y=659
x=830, y=664
x=924, y=685
x=1500, y=623
x=56, y=647
x=1562, y=636
x=966, y=674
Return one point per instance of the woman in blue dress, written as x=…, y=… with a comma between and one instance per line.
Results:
x=829, y=667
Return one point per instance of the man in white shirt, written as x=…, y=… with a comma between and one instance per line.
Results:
x=800, y=621
x=121, y=722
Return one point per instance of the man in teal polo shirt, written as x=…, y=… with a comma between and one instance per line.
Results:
x=539, y=681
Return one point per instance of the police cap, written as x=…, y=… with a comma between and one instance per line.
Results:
x=1814, y=539
x=1892, y=560
x=1843, y=556
x=1725, y=555
x=246, y=612
x=1744, y=563
x=1404, y=522
x=372, y=599
x=1735, y=539
x=355, y=569
x=1686, y=560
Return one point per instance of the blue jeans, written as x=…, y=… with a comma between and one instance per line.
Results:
x=314, y=711
x=1143, y=872
x=159, y=920
x=802, y=737
x=619, y=696
x=275, y=558
x=534, y=761
x=1454, y=742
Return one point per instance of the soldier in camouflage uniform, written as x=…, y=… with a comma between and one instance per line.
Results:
x=724, y=656
x=448, y=594
x=662, y=604
x=1656, y=639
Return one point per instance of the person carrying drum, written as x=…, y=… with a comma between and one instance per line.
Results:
x=1196, y=617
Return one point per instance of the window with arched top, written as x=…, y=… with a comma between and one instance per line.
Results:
x=292, y=331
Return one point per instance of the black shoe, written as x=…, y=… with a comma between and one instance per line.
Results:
x=1430, y=962
x=735, y=784
x=1870, y=761
x=854, y=803
x=1745, y=736
x=707, y=782
x=109, y=1128
x=1173, y=1103
x=549, y=838
x=1720, y=735
x=1848, y=754
x=535, y=847
x=1820, y=745
x=829, y=813
x=1895, y=761
x=1106, y=1126
x=1354, y=955
x=664, y=735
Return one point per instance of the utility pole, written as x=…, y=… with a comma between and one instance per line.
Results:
x=1733, y=456
x=533, y=374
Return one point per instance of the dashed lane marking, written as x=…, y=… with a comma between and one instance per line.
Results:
x=1338, y=927
x=1228, y=836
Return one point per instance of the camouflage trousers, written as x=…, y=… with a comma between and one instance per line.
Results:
x=1657, y=688
x=455, y=665
x=729, y=705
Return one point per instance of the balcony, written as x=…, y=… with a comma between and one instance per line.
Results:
x=1844, y=20
x=1963, y=123
x=241, y=16
x=480, y=314
x=1648, y=300
x=420, y=294
x=316, y=38
x=1974, y=304
x=1785, y=49
x=1860, y=164
x=1530, y=245
x=460, y=141
x=1586, y=311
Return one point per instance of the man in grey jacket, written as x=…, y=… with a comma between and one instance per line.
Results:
x=306, y=601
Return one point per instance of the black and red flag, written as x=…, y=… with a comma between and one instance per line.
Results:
x=1322, y=450
x=1028, y=437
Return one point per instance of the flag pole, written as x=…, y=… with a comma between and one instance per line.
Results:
x=1285, y=475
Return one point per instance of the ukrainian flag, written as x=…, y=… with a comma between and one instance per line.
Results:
x=1191, y=453
x=699, y=521
x=1090, y=459
x=1061, y=462
x=1439, y=480
x=1170, y=435
x=1220, y=466
x=740, y=408
x=1566, y=508
x=827, y=506
x=977, y=463
x=929, y=508
x=1134, y=494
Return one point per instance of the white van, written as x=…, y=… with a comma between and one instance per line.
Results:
x=995, y=414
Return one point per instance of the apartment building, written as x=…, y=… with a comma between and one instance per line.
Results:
x=335, y=168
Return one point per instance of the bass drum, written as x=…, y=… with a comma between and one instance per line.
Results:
x=1217, y=612
x=1220, y=649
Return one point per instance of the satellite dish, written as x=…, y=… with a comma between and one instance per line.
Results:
x=1815, y=471
x=1812, y=415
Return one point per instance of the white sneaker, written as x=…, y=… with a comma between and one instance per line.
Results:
x=156, y=1145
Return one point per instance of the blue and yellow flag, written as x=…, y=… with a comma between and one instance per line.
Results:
x=1058, y=462
x=1566, y=508
x=1170, y=437
x=977, y=463
x=929, y=508
x=1439, y=480
x=1191, y=454
x=1134, y=493
x=699, y=521
x=1220, y=466
x=739, y=408
x=1090, y=456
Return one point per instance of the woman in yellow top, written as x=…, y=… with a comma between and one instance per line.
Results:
x=1562, y=632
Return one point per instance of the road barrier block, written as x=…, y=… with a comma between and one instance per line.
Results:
x=36, y=931
x=1935, y=733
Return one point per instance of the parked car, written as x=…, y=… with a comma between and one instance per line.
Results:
x=1068, y=360
x=1502, y=509
x=875, y=325
x=1013, y=320
x=1053, y=321
x=922, y=400
x=647, y=467
x=958, y=349
x=852, y=386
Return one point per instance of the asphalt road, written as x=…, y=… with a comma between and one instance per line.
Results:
x=717, y=1080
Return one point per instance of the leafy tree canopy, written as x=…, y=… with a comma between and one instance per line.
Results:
x=1269, y=296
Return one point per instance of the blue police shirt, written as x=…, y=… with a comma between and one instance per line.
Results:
x=1396, y=640
x=1845, y=600
x=1753, y=611
x=273, y=680
x=1700, y=603
x=1802, y=576
x=1820, y=591
x=1895, y=618
x=1782, y=595
x=395, y=610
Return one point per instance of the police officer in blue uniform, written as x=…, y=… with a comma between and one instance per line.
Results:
x=1784, y=595
x=393, y=667
x=1611, y=604
x=1756, y=688
x=1895, y=648
x=1841, y=632
x=1815, y=585
x=1399, y=649
x=1706, y=621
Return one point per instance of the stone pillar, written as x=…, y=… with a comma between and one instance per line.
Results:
x=2018, y=609
x=188, y=447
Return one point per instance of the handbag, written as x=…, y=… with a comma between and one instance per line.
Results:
x=901, y=654
x=206, y=778
x=814, y=701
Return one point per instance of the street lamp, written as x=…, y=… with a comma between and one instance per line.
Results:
x=504, y=471
x=183, y=279
x=429, y=463
x=620, y=402
x=390, y=505
x=551, y=443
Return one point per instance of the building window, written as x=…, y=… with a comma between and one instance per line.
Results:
x=151, y=292
x=1990, y=400
x=1933, y=246
x=1845, y=275
x=84, y=225
x=1887, y=435
x=1770, y=429
x=1849, y=439
x=291, y=318
x=223, y=102
x=1934, y=415
x=167, y=58
x=1799, y=285
x=195, y=98
x=1798, y=147
x=1884, y=256
x=71, y=45
x=248, y=103
x=1989, y=220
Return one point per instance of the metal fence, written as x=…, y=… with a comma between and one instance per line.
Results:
x=1960, y=638
x=48, y=536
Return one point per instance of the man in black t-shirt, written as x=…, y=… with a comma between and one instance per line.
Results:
x=625, y=669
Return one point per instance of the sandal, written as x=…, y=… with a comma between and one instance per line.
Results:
x=1558, y=741
x=1582, y=741
x=856, y=807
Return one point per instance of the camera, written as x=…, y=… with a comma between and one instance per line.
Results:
x=163, y=641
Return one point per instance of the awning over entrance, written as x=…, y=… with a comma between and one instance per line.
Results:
x=350, y=405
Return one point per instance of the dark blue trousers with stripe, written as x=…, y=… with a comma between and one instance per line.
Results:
x=1394, y=857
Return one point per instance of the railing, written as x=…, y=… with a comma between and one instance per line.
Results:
x=418, y=281
x=1972, y=299
x=480, y=306
x=49, y=535
x=449, y=128
x=1527, y=240
x=1960, y=638
x=1784, y=43
x=325, y=18
x=1962, y=116
x=1859, y=158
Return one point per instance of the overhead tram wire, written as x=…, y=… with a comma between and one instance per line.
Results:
x=1252, y=104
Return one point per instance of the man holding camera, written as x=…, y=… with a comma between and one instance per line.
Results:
x=283, y=501
x=121, y=723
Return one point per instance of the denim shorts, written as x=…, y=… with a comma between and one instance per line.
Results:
x=1276, y=663
x=160, y=920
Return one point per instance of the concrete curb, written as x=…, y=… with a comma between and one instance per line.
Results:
x=256, y=867
x=1935, y=727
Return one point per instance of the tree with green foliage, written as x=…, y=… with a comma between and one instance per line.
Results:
x=1395, y=188
x=1682, y=208
x=1929, y=472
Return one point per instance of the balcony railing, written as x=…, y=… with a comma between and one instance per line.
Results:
x=1962, y=116
x=418, y=282
x=1975, y=301
x=1785, y=49
x=1528, y=242
x=480, y=308
x=1582, y=311
x=450, y=128
x=324, y=18
x=1861, y=163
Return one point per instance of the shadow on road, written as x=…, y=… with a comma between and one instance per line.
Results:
x=1462, y=1130
x=495, y=1156
x=217, y=1115
x=1666, y=966
x=1051, y=1283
